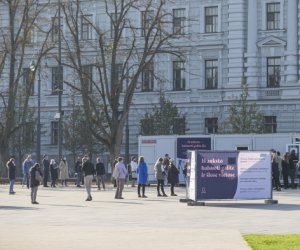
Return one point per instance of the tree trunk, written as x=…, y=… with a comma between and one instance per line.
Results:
x=3, y=159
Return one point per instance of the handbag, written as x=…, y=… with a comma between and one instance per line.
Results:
x=38, y=176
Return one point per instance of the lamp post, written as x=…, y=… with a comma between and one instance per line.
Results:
x=38, y=143
x=60, y=86
x=127, y=128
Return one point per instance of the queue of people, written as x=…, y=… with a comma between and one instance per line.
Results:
x=284, y=167
x=35, y=174
x=165, y=172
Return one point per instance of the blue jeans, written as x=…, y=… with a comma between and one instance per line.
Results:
x=26, y=179
x=11, y=185
x=78, y=178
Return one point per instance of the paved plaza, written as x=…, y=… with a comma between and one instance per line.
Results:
x=64, y=220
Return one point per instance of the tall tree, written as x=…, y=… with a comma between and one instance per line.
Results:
x=77, y=137
x=165, y=119
x=16, y=33
x=124, y=50
x=244, y=117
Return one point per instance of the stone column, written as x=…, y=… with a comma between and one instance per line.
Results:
x=292, y=34
x=252, y=55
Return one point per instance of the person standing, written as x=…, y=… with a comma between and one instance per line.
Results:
x=293, y=159
x=133, y=166
x=54, y=172
x=27, y=165
x=159, y=175
x=88, y=171
x=35, y=179
x=275, y=171
x=11, y=174
x=120, y=175
x=78, y=171
x=166, y=163
x=64, y=171
x=142, y=172
x=113, y=170
x=46, y=169
x=100, y=172
x=173, y=176
x=285, y=170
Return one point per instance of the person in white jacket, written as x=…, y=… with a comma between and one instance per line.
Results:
x=133, y=165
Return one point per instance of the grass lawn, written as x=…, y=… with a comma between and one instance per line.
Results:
x=273, y=242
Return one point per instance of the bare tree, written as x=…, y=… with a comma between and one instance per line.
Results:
x=119, y=54
x=22, y=19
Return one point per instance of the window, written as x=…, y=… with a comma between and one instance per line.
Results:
x=178, y=21
x=88, y=77
x=211, y=125
x=273, y=72
x=147, y=19
x=86, y=27
x=55, y=29
x=54, y=133
x=148, y=78
x=57, y=79
x=273, y=16
x=178, y=75
x=28, y=81
x=211, y=19
x=270, y=124
x=211, y=74
x=179, y=126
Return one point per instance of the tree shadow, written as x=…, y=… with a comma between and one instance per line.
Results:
x=17, y=208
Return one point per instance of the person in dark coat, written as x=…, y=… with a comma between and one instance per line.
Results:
x=293, y=159
x=54, y=172
x=78, y=171
x=285, y=170
x=173, y=176
x=142, y=172
x=100, y=172
x=46, y=169
x=275, y=171
x=11, y=174
x=35, y=179
x=88, y=171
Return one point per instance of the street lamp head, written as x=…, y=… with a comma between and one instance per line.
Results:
x=32, y=66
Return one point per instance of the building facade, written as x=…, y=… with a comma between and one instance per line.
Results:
x=225, y=42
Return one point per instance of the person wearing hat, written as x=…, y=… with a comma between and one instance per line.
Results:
x=46, y=169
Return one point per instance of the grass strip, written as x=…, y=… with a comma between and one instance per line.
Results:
x=273, y=241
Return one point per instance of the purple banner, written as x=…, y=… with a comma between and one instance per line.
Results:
x=192, y=143
x=217, y=174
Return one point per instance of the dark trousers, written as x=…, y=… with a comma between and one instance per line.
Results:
x=172, y=188
x=46, y=177
x=160, y=185
x=285, y=176
x=53, y=182
x=143, y=189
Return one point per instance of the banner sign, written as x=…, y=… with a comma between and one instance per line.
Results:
x=192, y=143
x=233, y=175
x=184, y=144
